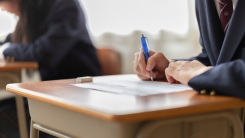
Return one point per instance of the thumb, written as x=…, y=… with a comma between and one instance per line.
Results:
x=153, y=60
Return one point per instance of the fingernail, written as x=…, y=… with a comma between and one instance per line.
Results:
x=148, y=67
x=148, y=75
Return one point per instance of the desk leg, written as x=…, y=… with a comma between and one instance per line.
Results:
x=15, y=77
x=21, y=116
x=34, y=132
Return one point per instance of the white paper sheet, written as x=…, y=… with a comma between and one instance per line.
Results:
x=136, y=88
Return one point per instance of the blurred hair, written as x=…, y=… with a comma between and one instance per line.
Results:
x=32, y=20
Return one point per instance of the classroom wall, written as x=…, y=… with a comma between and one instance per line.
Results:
x=176, y=36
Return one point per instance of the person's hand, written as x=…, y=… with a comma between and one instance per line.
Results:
x=157, y=62
x=183, y=71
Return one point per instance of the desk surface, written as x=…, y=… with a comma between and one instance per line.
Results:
x=121, y=108
x=8, y=66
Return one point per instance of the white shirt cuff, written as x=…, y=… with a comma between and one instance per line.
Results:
x=2, y=48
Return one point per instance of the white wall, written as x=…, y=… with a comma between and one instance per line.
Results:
x=170, y=26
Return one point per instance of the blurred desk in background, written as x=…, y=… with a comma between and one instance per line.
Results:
x=11, y=73
x=17, y=66
x=63, y=110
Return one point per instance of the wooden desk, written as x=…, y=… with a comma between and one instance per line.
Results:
x=60, y=95
x=16, y=66
x=11, y=73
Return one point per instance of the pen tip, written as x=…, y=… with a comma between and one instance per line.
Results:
x=151, y=78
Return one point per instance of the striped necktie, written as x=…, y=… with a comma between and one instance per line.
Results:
x=226, y=10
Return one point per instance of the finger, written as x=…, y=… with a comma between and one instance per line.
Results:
x=170, y=79
x=151, y=53
x=155, y=73
x=142, y=64
x=138, y=73
x=194, y=61
x=177, y=82
x=168, y=73
x=142, y=77
x=137, y=70
x=174, y=64
x=136, y=54
x=154, y=59
x=136, y=65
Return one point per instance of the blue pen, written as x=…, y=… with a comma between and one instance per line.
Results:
x=146, y=50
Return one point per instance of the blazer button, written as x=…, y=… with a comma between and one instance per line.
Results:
x=213, y=93
x=7, y=59
x=203, y=91
x=12, y=59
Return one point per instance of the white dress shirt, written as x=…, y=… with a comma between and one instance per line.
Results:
x=218, y=8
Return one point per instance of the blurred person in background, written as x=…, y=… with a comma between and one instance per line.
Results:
x=54, y=34
x=220, y=68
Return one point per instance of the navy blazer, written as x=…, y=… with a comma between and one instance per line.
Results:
x=225, y=52
x=65, y=50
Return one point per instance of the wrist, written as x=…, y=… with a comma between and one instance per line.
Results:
x=201, y=71
x=207, y=68
x=2, y=48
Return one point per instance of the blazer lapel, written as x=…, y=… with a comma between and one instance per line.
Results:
x=212, y=33
x=234, y=33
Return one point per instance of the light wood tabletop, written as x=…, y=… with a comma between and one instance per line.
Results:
x=122, y=108
x=13, y=66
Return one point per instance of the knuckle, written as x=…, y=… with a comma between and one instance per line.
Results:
x=186, y=62
x=138, y=69
x=167, y=70
x=159, y=53
x=136, y=54
x=171, y=64
x=141, y=77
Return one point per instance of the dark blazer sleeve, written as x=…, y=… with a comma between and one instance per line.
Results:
x=50, y=48
x=225, y=79
x=7, y=39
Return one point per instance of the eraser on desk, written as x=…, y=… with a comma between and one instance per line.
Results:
x=84, y=79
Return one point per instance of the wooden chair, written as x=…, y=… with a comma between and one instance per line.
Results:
x=109, y=61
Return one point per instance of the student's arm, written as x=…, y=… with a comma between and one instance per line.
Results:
x=7, y=39
x=4, y=45
x=65, y=26
x=225, y=79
